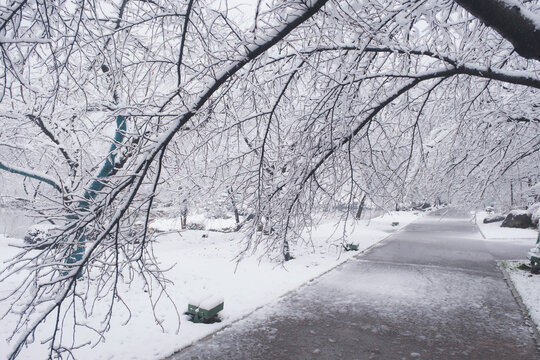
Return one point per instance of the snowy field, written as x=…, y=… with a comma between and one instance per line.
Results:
x=203, y=263
x=527, y=285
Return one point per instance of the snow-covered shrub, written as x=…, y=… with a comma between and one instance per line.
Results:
x=534, y=213
x=38, y=235
x=195, y=226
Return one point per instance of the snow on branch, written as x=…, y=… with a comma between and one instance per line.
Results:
x=253, y=51
x=29, y=40
x=525, y=78
x=107, y=233
x=512, y=21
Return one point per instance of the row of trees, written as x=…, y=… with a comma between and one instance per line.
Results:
x=315, y=102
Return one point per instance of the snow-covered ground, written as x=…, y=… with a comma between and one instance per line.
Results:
x=494, y=231
x=206, y=266
x=528, y=287
x=526, y=284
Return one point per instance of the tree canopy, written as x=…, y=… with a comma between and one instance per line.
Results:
x=294, y=108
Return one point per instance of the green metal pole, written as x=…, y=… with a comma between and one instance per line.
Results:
x=97, y=185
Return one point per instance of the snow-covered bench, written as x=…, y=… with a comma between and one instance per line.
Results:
x=534, y=255
x=204, y=309
x=535, y=260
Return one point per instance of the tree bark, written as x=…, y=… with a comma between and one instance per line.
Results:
x=183, y=218
x=512, y=22
x=511, y=194
x=235, y=208
x=360, y=208
x=286, y=251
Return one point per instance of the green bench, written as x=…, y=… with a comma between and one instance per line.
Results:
x=534, y=255
x=535, y=264
x=351, y=247
x=205, y=309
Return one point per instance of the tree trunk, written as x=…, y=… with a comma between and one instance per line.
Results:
x=183, y=218
x=360, y=208
x=286, y=251
x=511, y=194
x=235, y=209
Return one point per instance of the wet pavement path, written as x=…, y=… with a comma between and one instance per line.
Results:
x=430, y=291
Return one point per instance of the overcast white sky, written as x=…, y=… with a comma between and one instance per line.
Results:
x=242, y=11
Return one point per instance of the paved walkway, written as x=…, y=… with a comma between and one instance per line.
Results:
x=431, y=291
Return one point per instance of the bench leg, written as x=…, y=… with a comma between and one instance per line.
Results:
x=535, y=265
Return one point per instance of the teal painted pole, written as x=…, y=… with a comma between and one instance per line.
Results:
x=22, y=172
x=97, y=185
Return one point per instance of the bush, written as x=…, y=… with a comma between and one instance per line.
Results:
x=40, y=236
x=534, y=213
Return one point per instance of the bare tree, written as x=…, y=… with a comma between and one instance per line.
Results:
x=317, y=104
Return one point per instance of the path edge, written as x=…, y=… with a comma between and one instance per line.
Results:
x=306, y=283
x=524, y=310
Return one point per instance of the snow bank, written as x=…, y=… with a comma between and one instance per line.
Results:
x=528, y=287
x=194, y=220
x=494, y=231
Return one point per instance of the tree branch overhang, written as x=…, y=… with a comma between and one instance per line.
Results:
x=31, y=174
x=512, y=21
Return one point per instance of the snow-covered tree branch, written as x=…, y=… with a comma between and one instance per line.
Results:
x=303, y=107
x=512, y=20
